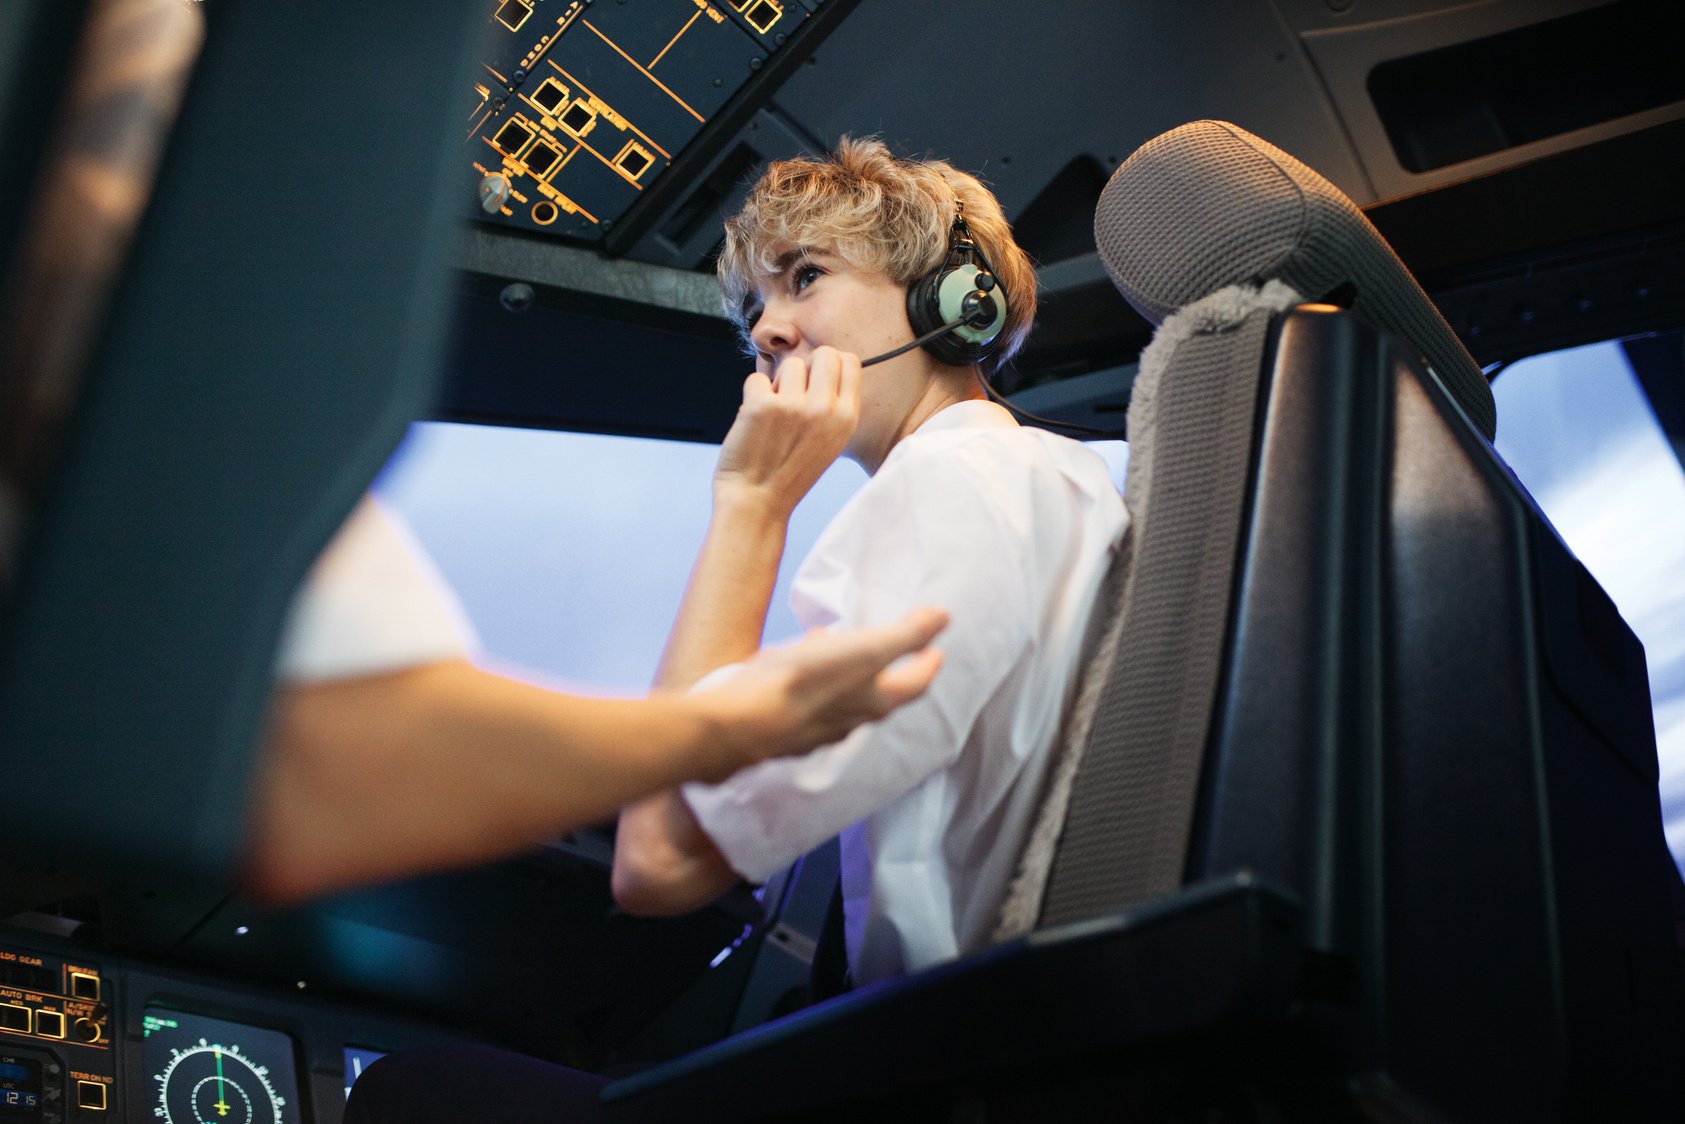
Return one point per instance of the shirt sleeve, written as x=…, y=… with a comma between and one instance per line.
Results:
x=372, y=602
x=928, y=530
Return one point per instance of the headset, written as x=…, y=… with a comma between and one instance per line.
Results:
x=957, y=312
x=958, y=309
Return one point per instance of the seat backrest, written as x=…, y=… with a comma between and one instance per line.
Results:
x=1345, y=656
x=1197, y=219
x=1206, y=230
x=272, y=328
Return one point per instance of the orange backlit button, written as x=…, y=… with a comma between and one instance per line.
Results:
x=84, y=986
x=49, y=1024
x=90, y=1094
x=14, y=1017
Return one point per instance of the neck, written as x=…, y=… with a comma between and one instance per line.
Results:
x=937, y=395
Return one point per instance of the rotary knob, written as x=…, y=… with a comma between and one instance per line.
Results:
x=494, y=192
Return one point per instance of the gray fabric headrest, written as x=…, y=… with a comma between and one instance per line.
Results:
x=1208, y=205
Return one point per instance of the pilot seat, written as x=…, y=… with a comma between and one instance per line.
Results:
x=1355, y=817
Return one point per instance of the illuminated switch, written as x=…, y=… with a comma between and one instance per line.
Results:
x=14, y=1017
x=90, y=1094
x=49, y=1024
x=513, y=13
x=761, y=14
x=84, y=986
x=549, y=95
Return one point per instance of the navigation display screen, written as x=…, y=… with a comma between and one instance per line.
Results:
x=210, y=1069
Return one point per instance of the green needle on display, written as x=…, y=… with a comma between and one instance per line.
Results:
x=221, y=1105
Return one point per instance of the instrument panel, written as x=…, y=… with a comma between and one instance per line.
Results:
x=55, y=1038
x=581, y=105
x=119, y=1040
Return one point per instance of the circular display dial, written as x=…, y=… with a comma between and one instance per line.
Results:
x=215, y=1084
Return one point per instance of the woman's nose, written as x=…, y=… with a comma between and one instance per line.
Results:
x=775, y=331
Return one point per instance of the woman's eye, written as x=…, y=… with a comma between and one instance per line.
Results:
x=805, y=275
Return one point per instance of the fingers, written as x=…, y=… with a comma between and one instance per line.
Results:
x=828, y=381
x=861, y=656
x=833, y=377
x=789, y=429
x=824, y=685
x=912, y=632
x=907, y=680
x=848, y=384
x=791, y=378
x=907, y=675
x=824, y=368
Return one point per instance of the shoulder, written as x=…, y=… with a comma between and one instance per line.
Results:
x=998, y=463
x=983, y=487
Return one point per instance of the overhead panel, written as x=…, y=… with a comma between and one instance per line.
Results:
x=582, y=106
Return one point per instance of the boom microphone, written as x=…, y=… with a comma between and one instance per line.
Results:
x=974, y=311
x=920, y=342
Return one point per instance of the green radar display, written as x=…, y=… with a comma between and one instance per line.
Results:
x=208, y=1071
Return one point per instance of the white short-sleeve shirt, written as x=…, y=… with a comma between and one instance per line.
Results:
x=372, y=602
x=1010, y=529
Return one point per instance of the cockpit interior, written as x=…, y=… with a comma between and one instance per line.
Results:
x=1370, y=813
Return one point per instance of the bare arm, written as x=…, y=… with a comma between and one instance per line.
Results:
x=786, y=434
x=445, y=765
x=723, y=611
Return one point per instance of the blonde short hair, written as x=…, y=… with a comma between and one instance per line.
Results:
x=881, y=213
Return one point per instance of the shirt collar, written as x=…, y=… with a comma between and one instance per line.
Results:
x=973, y=413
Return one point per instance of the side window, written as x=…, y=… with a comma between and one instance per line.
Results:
x=1579, y=430
x=570, y=550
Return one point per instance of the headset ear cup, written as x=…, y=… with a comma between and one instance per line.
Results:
x=938, y=298
x=924, y=314
x=954, y=286
x=921, y=305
